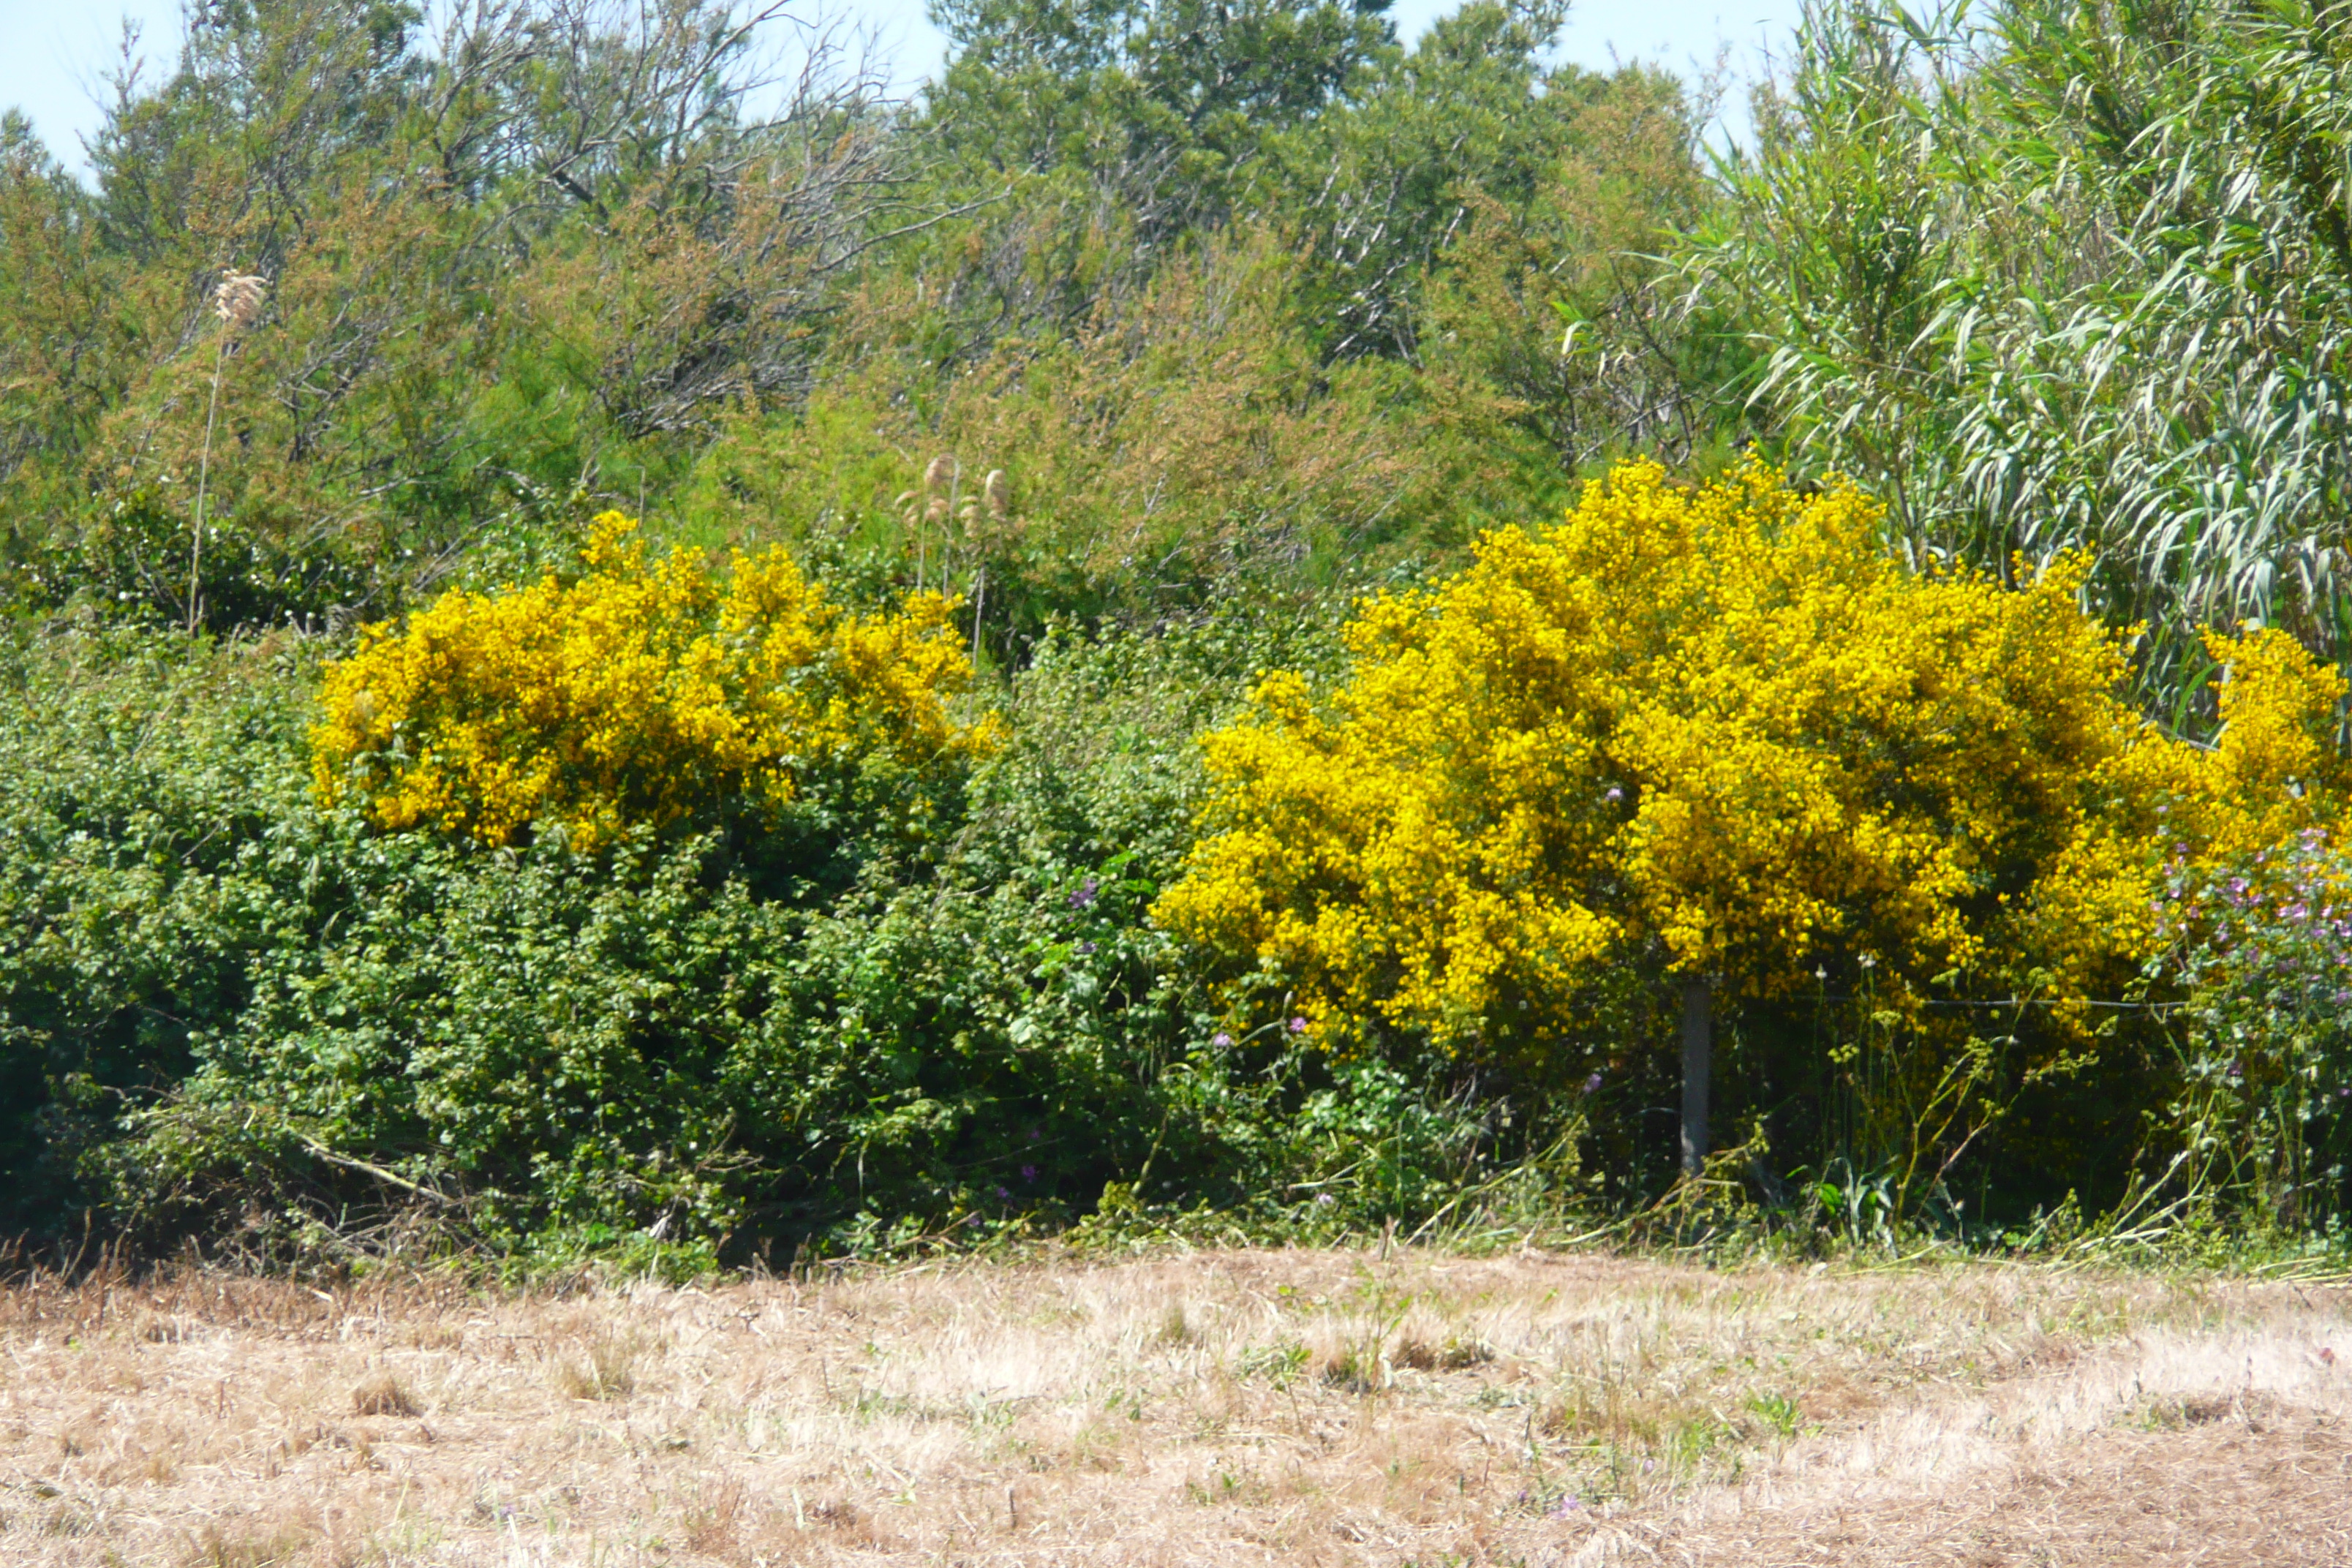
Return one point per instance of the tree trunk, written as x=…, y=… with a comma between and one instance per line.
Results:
x=1699, y=1065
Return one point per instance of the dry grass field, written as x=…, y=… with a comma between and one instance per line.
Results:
x=1224, y=1407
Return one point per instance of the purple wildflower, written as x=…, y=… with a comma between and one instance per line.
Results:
x=1084, y=898
x=1220, y=1039
x=1298, y=1025
x=1028, y=1173
x=1592, y=1084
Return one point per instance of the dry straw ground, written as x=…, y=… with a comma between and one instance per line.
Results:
x=1230, y=1408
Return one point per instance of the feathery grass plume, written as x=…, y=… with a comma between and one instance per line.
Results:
x=236, y=301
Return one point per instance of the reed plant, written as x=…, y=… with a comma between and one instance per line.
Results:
x=236, y=301
x=2057, y=276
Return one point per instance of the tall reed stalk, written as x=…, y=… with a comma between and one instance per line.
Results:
x=237, y=301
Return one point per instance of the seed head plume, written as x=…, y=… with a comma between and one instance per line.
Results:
x=237, y=300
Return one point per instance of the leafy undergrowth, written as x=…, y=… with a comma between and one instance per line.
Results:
x=1382, y=1405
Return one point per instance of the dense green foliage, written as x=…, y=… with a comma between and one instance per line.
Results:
x=1154, y=335
x=2262, y=951
x=297, y=1020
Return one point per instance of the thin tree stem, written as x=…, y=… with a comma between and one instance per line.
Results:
x=1699, y=1066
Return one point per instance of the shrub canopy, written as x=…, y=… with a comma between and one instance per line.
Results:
x=643, y=691
x=1720, y=731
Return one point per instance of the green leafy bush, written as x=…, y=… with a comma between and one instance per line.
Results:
x=232, y=1016
x=153, y=842
x=2261, y=1112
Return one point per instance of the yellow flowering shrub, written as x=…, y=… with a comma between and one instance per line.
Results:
x=641, y=691
x=1720, y=731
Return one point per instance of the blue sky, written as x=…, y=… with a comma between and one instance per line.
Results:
x=54, y=55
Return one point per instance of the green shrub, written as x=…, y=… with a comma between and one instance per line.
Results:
x=154, y=841
x=515, y=1043
x=231, y=1016
x=2258, y=1110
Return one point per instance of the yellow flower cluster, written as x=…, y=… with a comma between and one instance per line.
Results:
x=640, y=692
x=1720, y=729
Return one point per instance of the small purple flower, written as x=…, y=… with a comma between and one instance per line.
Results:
x=1087, y=947
x=1592, y=1084
x=1614, y=794
x=1028, y=1173
x=1298, y=1025
x=1222, y=1040
x=1084, y=898
x=1003, y=1192
x=1568, y=1505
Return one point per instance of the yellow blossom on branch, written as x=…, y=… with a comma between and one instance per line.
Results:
x=643, y=691
x=1719, y=731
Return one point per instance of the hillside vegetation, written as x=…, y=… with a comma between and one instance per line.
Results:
x=619, y=644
